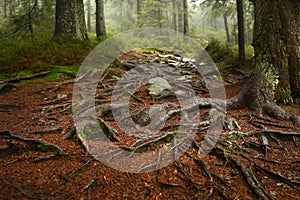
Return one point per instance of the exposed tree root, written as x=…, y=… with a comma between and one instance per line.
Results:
x=251, y=179
x=77, y=170
x=277, y=176
x=33, y=142
x=91, y=182
x=4, y=86
x=44, y=158
x=48, y=131
x=260, y=100
x=19, y=78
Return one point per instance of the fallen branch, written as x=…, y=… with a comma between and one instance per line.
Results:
x=34, y=142
x=19, y=78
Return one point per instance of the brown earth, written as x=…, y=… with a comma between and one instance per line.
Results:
x=26, y=172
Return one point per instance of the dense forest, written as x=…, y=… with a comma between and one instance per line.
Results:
x=149, y=99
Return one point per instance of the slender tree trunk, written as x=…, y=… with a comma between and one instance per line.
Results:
x=11, y=8
x=227, y=28
x=121, y=15
x=89, y=13
x=241, y=30
x=70, y=20
x=159, y=13
x=185, y=17
x=5, y=8
x=174, y=16
x=100, y=22
x=139, y=8
x=180, y=15
x=29, y=16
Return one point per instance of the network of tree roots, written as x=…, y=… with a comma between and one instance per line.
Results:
x=42, y=157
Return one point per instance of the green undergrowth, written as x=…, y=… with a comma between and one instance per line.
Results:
x=56, y=73
x=30, y=55
x=33, y=54
x=226, y=56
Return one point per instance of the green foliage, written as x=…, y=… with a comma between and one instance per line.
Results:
x=43, y=148
x=221, y=53
x=19, y=54
x=226, y=55
x=285, y=96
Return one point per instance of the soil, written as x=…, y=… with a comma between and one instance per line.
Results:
x=38, y=173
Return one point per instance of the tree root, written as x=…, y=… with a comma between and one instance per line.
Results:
x=254, y=97
x=277, y=176
x=19, y=78
x=77, y=170
x=251, y=179
x=36, y=143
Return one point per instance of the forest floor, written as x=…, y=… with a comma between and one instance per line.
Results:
x=248, y=163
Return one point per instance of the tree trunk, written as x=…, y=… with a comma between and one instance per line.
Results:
x=159, y=13
x=174, y=16
x=241, y=30
x=5, y=8
x=185, y=17
x=227, y=28
x=100, y=22
x=70, y=20
x=89, y=8
x=180, y=16
x=277, y=58
x=139, y=8
x=29, y=12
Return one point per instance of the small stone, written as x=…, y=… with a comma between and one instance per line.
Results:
x=61, y=96
x=158, y=87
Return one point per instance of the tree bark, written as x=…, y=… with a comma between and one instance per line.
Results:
x=5, y=8
x=159, y=13
x=277, y=58
x=100, y=22
x=174, y=16
x=70, y=20
x=228, y=39
x=89, y=8
x=185, y=17
x=180, y=16
x=241, y=30
x=139, y=8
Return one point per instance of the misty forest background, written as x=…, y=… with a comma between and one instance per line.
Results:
x=30, y=41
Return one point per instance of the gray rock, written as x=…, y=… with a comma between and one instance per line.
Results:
x=158, y=87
